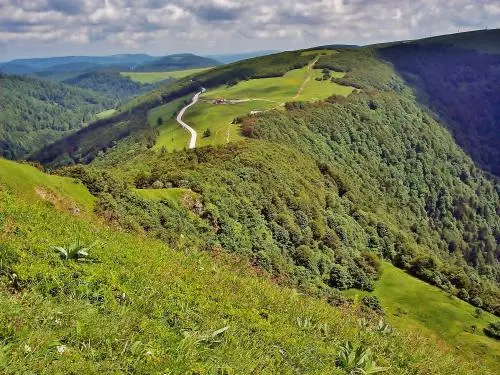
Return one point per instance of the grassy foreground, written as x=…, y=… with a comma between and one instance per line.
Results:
x=142, y=307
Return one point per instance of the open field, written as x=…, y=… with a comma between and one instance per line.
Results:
x=30, y=182
x=218, y=118
x=252, y=95
x=172, y=136
x=106, y=114
x=410, y=303
x=282, y=89
x=173, y=195
x=153, y=77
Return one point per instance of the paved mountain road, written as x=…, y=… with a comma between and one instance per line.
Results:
x=194, y=135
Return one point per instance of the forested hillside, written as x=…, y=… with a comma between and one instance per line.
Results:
x=458, y=77
x=110, y=83
x=34, y=113
x=375, y=175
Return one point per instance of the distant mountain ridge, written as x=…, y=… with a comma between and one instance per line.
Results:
x=62, y=68
x=234, y=57
x=177, y=62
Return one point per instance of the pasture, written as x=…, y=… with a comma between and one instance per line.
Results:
x=411, y=304
x=172, y=136
x=105, y=114
x=241, y=99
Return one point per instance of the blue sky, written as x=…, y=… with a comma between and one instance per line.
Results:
x=31, y=28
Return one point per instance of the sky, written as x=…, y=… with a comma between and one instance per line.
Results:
x=41, y=28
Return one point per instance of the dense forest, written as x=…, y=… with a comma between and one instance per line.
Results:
x=34, y=113
x=110, y=83
x=461, y=86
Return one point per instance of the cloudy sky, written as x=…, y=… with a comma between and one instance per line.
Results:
x=67, y=27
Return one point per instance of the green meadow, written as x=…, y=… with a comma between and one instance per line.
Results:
x=173, y=195
x=411, y=304
x=253, y=95
x=30, y=182
x=153, y=77
x=106, y=114
x=282, y=89
x=172, y=136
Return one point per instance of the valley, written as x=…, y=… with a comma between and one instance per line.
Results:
x=321, y=210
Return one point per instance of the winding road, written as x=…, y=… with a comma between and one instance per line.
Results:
x=192, y=142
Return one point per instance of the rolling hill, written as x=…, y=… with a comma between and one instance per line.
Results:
x=329, y=184
x=72, y=63
x=113, y=84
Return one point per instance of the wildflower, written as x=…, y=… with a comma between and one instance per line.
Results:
x=61, y=349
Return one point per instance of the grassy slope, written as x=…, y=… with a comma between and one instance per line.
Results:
x=25, y=178
x=414, y=304
x=172, y=194
x=145, y=308
x=172, y=136
x=106, y=114
x=152, y=77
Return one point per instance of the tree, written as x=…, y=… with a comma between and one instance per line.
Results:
x=207, y=133
x=159, y=121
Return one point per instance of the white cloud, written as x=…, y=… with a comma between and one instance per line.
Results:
x=227, y=25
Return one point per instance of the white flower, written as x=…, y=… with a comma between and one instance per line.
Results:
x=27, y=348
x=61, y=349
x=148, y=353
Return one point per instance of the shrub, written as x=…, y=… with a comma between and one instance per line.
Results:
x=476, y=301
x=463, y=294
x=207, y=133
x=340, y=278
x=373, y=104
x=372, y=303
x=493, y=330
x=159, y=121
x=478, y=312
x=158, y=185
x=305, y=257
